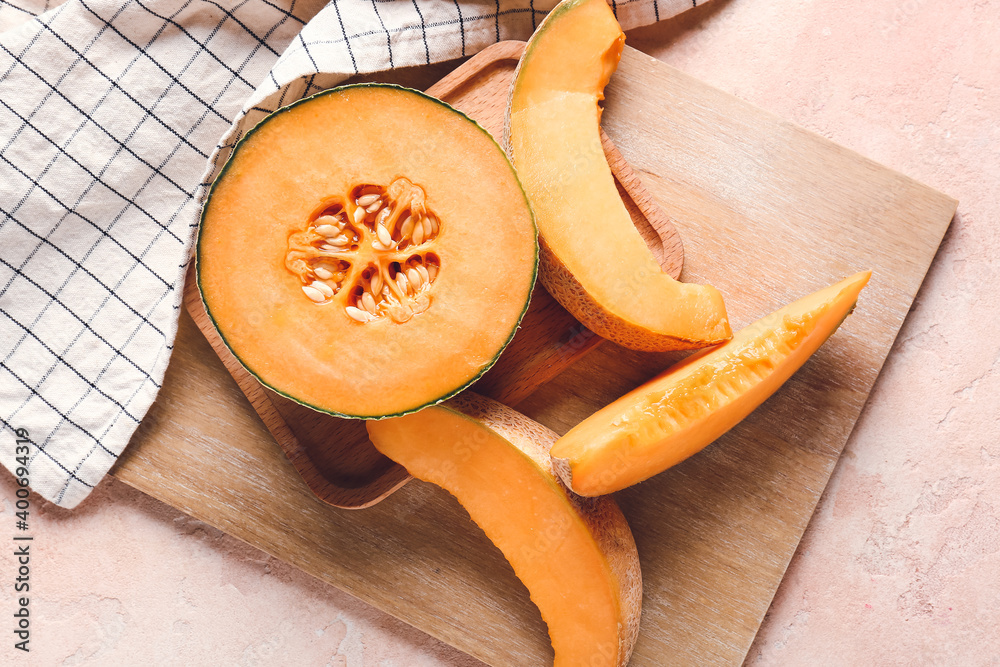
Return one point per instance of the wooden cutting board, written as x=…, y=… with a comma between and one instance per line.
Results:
x=768, y=212
x=334, y=456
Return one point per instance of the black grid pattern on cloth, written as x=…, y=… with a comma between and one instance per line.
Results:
x=109, y=110
x=108, y=113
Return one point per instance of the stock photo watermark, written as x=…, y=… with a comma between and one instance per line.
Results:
x=22, y=542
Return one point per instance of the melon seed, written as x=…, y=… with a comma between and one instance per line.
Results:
x=414, y=277
x=357, y=314
x=367, y=200
x=369, y=302
x=359, y=214
x=407, y=228
x=320, y=286
x=383, y=235
x=313, y=293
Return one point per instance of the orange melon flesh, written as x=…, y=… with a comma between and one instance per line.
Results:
x=304, y=157
x=576, y=557
x=594, y=261
x=691, y=404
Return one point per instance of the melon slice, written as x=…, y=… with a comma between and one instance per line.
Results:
x=576, y=556
x=367, y=251
x=691, y=404
x=593, y=260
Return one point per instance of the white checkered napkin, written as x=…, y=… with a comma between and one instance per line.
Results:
x=109, y=110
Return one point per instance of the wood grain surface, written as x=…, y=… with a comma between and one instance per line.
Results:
x=768, y=212
x=333, y=455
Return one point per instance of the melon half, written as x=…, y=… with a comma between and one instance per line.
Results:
x=367, y=251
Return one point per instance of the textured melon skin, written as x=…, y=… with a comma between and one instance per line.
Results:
x=199, y=249
x=571, y=295
x=601, y=515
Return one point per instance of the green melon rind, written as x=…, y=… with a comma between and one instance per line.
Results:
x=225, y=167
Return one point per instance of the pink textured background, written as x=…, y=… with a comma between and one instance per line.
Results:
x=901, y=563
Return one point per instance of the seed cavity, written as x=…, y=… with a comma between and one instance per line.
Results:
x=388, y=232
